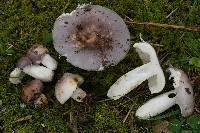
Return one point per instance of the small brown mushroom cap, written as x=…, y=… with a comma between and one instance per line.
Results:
x=32, y=91
x=23, y=62
x=91, y=37
x=36, y=52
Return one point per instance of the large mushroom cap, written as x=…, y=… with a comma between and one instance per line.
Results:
x=91, y=37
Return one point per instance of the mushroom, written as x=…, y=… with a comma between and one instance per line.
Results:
x=182, y=95
x=32, y=91
x=29, y=64
x=185, y=94
x=68, y=86
x=39, y=54
x=151, y=70
x=92, y=37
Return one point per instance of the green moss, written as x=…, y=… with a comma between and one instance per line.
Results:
x=28, y=21
x=107, y=121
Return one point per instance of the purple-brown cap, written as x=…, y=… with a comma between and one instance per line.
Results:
x=91, y=37
x=23, y=62
x=36, y=52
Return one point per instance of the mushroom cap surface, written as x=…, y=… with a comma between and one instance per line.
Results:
x=31, y=91
x=92, y=37
x=185, y=94
x=36, y=52
x=23, y=62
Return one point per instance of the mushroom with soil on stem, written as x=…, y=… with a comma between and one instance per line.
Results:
x=29, y=64
x=32, y=92
x=68, y=86
x=182, y=95
x=92, y=37
x=151, y=71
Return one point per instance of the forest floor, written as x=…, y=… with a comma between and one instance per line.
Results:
x=25, y=22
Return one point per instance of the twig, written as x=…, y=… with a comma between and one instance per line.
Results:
x=28, y=117
x=128, y=114
x=171, y=13
x=183, y=27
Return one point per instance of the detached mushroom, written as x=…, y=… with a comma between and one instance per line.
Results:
x=36, y=71
x=185, y=94
x=92, y=37
x=182, y=95
x=150, y=71
x=68, y=86
x=39, y=54
x=30, y=65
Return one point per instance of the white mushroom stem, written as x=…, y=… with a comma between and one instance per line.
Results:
x=157, y=105
x=49, y=62
x=182, y=85
x=16, y=76
x=39, y=72
x=130, y=81
x=68, y=86
x=150, y=71
x=79, y=95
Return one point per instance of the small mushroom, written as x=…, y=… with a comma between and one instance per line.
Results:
x=32, y=91
x=68, y=86
x=150, y=71
x=39, y=54
x=29, y=64
x=92, y=37
x=182, y=95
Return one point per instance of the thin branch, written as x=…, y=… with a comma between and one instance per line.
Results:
x=171, y=13
x=183, y=27
x=128, y=114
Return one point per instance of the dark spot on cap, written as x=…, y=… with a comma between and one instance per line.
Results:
x=87, y=8
x=171, y=95
x=66, y=22
x=78, y=98
x=188, y=91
